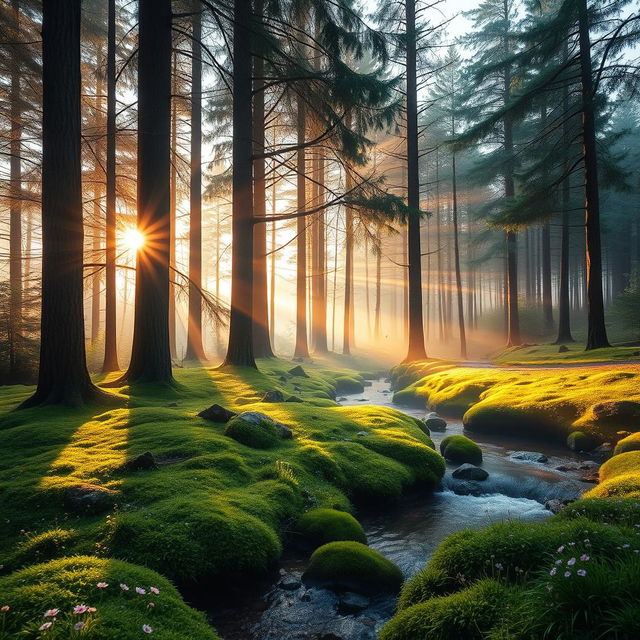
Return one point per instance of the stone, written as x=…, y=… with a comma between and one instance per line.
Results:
x=298, y=371
x=297, y=387
x=282, y=378
x=144, y=462
x=435, y=422
x=623, y=434
x=603, y=452
x=89, y=499
x=341, y=399
x=257, y=418
x=351, y=602
x=470, y=472
x=289, y=583
x=273, y=396
x=467, y=488
x=172, y=404
x=563, y=349
x=592, y=476
x=529, y=456
x=217, y=413
x=363, y=433
x=567, y=467
x=555, y=505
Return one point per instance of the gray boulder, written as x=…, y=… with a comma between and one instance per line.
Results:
x=351, y=602
x=273, y=396
x=470, y=472
x=256, y=418
x=144, y=462
x=217, y=413
x=89, y=499
x=529, y=456
x=435, y=422
x=298, y=371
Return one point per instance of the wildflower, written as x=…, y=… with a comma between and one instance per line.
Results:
x=79, y=625
x=78, y=609
x=102, y=585
x=141, y=591
x=91, y=610
x=572, y=544
x=45, y=626
x=151, y=604
x=553, y=572
x=154, y=590
x=5, y=608
x=146, y=628
x=549, y=587
x=499, y=566
x=124, y=587
x=560, y=549
x=558, y=562
x=581, y=572
x=584, y=557
x=567, y=574
x=49, y=613
x=571, y=562
x=626, y=546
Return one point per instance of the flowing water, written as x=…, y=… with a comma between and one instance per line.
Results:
x=279, y=607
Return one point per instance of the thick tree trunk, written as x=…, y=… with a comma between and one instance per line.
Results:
x=151, y=355
x=173, y=197
x=456, y=248
x=318, y=267
x=416, y=349
x=110, y=324
x=63, y=376
x=302, y=347
x=240, y=348
x=195, y=350
x=547, y=301
x=261, y=341
x=15, y=213
x=347, y=338
x=596, y=329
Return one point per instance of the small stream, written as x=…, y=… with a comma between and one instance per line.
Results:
x=279, y=607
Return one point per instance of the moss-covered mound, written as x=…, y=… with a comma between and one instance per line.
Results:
x=319, y=526
x=630, y=443
x=352, y=566
x=579, y=441
x=460, y=449
x=349, y=384
x=112, y=599
x=212, y=505
x=258, y=434
x=570, y=576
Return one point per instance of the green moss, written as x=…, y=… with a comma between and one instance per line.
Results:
x=630, y=443
x=352, y=566
x=263, y=435
x=620, y=511
x=320, y=526
x=68, y=582
x=548, y=354
x=460, y=449
x=579, y=441
x=427, y=583
x=472, y=613
x=622, y=464
x=347, y=384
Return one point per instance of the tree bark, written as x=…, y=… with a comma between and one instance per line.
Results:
x=173, y=196
x=151, y=355
x=63, y=377
x=347, y=337
x=456, y=249
x=596, y=329
x=301, y=347
x=240, y=347
x=318, y=267
x=195, y=350
x=110, y=323
x=416, y=349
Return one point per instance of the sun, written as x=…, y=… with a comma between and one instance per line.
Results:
x=133, y=239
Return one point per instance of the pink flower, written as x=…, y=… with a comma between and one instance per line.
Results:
x=553, y=572
x=79, y=625
x=5, y=608
x=124, y=587
x=154, y=590
x=102, y=585
x=78, y=609
x=146, y=628
x=584, y=557
x=567, y=574
x=141, y=591
x=560, y=549
x=91, y=610
x=581, y=572
x=571, y=562
x=45, y=626
x=49, y=613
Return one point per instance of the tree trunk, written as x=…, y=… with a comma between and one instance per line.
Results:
x=348, y=278
x=261, y=342
x=151, y=355
x=195, y=350
x=63, y=377
x=547, y=301
x=240, y=347
x=173, y=196
x=376, y=326
x=596, y=329
x=416, y=349
x=302, y=346
x=110, y=324
x=319, y=278
x=456, y=249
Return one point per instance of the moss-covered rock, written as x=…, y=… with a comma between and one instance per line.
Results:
x=352, y=566
x=460, y=449
x=472, y=613
x=348, y=384
x=257, y=434
x=630, y=443
x=622, y=464
x=580, y=441
x=120, y=610
x=320, y=526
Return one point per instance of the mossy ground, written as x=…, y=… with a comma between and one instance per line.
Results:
x=547, y=354
x=213, y=506
x=320, y=526
x=534, y=402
